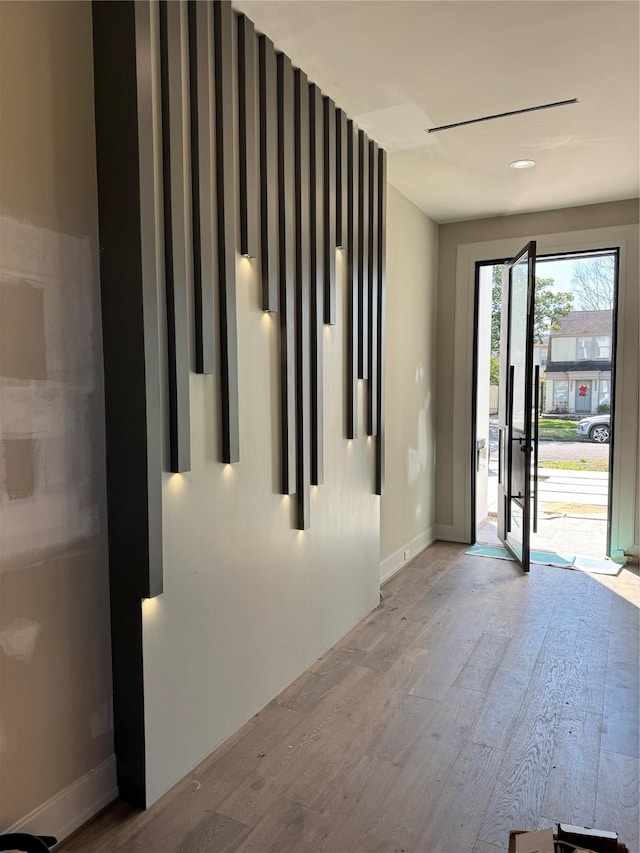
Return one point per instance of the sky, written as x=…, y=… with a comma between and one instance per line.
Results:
x=561, y=271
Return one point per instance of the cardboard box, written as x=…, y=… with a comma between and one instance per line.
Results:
x=541, y=841
x=568, y=839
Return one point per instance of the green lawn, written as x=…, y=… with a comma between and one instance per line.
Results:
x=576, y=464
x=557, y=430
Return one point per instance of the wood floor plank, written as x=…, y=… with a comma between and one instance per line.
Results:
x=267, y=785
x=410, y=719
x=517, y=798
x=620, y=730
x=484, y=847
x=483, y=663
x=570, y=792
x=456, y=821
x=624, y=643
x=392, y=645
x=501, y=709
x=618, y=802
x=214, y=832
x=288, y=826
x=585, y=683
x=446, y=664
x=410, y=803
x=517, y=673
x=322, y=681
x=355, y=804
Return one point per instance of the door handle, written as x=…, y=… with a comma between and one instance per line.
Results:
x=536, y=418
x=509, y=446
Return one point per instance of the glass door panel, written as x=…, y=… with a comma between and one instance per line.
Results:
x=516, y=429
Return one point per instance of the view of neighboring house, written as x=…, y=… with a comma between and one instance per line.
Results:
x=578, y=363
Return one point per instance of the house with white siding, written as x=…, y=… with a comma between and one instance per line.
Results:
x=578, y=369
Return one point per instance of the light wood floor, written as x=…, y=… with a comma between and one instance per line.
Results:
x=473, y=701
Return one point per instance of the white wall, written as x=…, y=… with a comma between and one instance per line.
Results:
x=56, y=738
x=248, y=601
x=574, y=229
x=408, y=503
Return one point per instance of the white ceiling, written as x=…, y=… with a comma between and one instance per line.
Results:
x=399, y=67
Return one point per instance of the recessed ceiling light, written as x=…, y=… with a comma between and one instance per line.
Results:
x=522, y=164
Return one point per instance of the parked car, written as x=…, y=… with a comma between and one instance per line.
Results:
x=596, y=428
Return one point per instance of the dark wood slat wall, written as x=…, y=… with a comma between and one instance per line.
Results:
x=342, y=179
x=382, y=303
x=165, y=115
x=302, y=286
x=268, y=174
x=177, y=240
x=127, y=97
x=329, y=209
x=363, y=255
x=247, y=137
x=205, y=259
x=223, y=38
x=317, y=207
x=372, y=331
x=198, y=81
x=286, y=230
x=352, y=241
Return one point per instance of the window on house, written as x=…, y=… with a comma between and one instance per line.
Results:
x=598, y=347
x=563, y=349
x=543, y=356
x=560, y=393
x=603, y=347
x=585, y=348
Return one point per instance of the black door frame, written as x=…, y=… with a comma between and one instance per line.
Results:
x=474, y=385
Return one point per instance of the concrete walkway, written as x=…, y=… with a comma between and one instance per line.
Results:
x=572, y=512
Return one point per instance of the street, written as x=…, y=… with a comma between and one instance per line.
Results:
x=556, y=450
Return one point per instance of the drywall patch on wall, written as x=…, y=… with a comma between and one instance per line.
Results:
x=22, y=340
x=48, y=376
x=55, y=674
x=18, y=467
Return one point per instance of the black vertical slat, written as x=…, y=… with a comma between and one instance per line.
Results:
x=268, y=174
x=329, y=210
x=302, y=253
x=286, y=238
x=223, y=39
x=317, y=277
x=352, y=279
x=205, y=262
x=372, y=330
x=178, y=237
x=382, y=300
x=341, y=179
x=128, y=147
x=247, y=137
x=363, y=256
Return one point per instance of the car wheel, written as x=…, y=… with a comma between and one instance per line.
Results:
x=599, y=434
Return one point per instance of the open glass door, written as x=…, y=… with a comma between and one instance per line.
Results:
x=516, y=415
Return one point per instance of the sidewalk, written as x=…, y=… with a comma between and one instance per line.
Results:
x=572, y=512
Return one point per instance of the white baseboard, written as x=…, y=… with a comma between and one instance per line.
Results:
x=396, y=561
x=74, y=805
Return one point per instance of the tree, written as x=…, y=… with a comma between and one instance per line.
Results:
x=549, y=309
x=593, y=281
x=494, y=371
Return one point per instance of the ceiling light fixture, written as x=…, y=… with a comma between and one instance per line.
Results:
x=522, y=164
x=503, y=115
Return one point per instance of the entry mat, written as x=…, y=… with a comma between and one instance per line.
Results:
x=548, y=558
